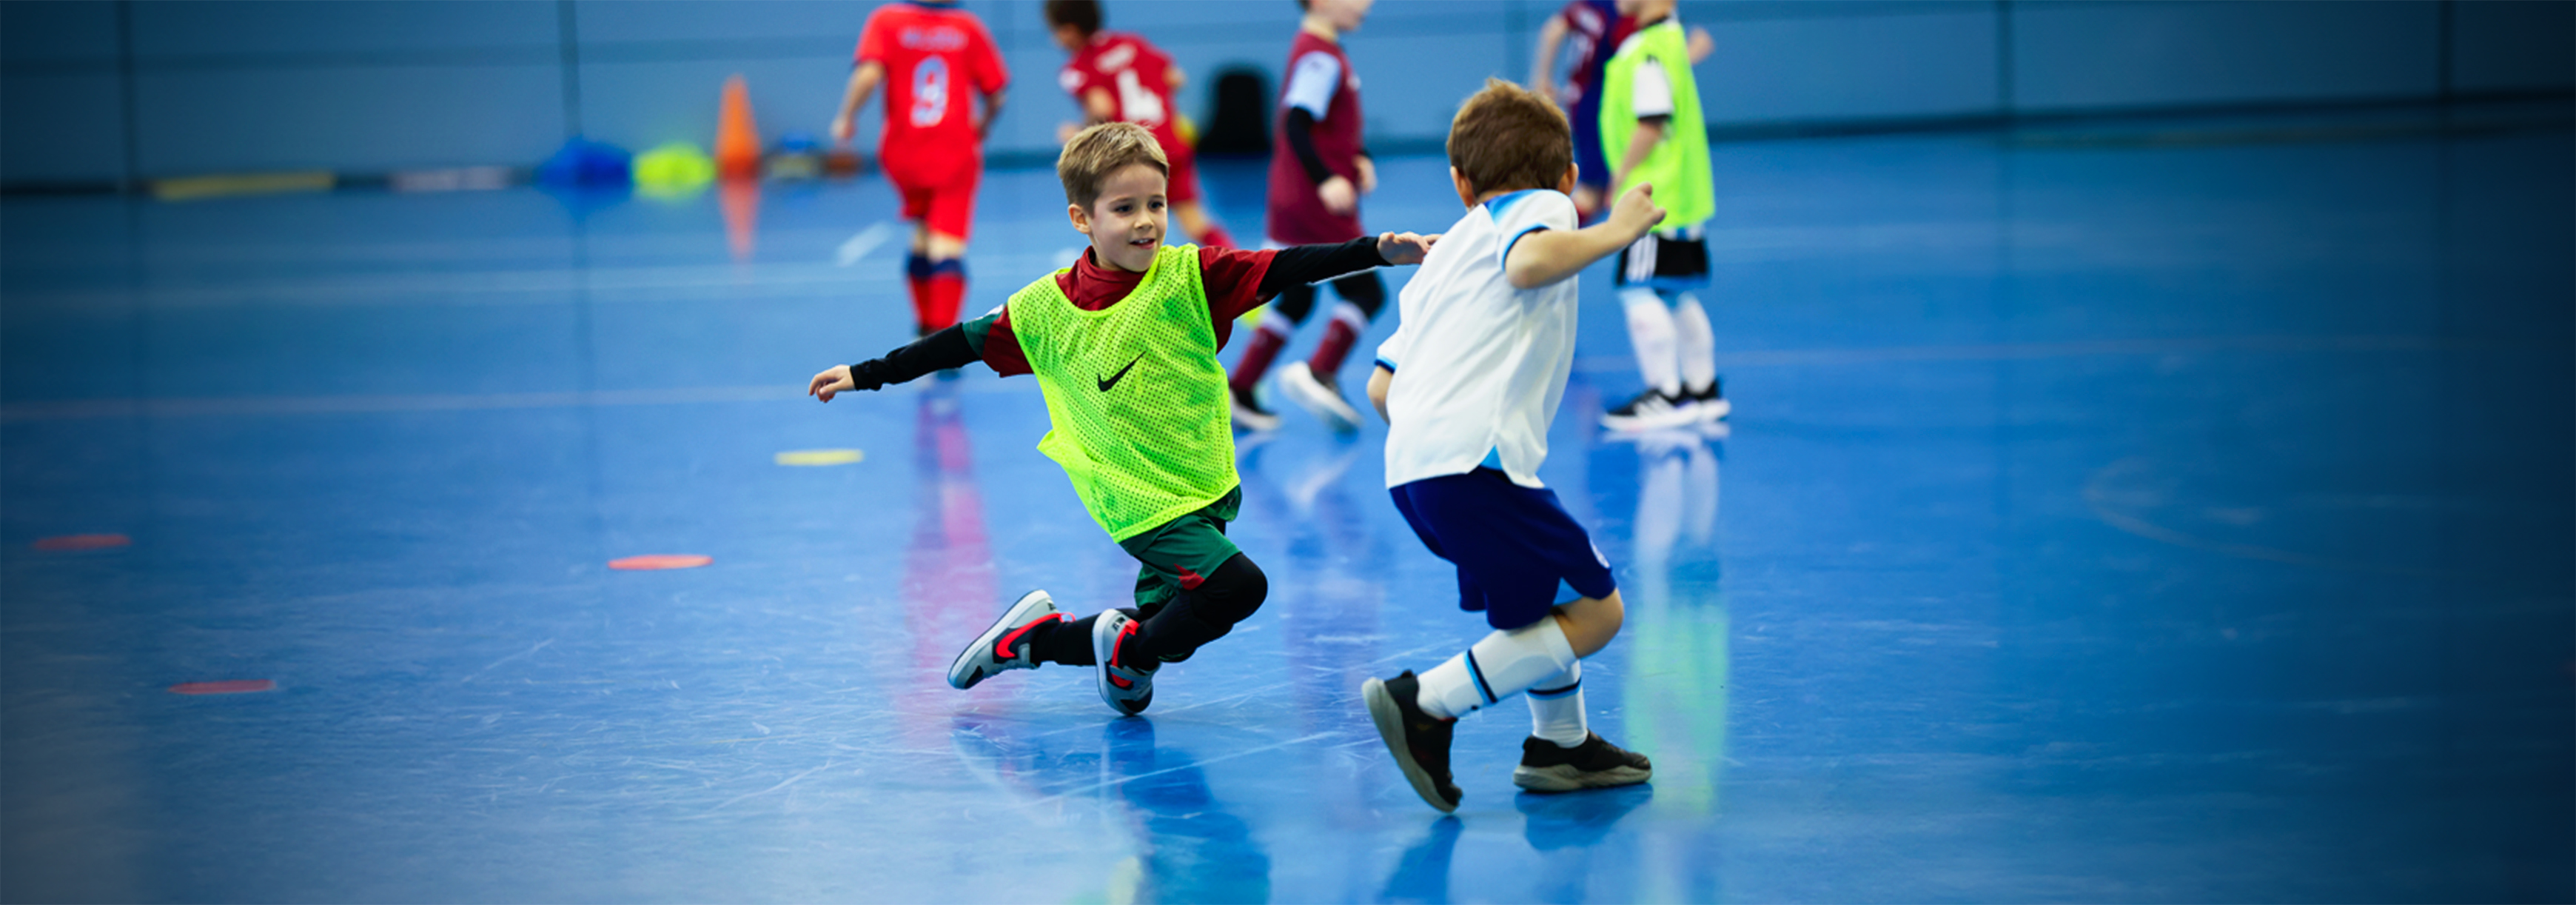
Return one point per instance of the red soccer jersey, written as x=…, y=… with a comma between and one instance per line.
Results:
x=1138, y=78
x=932, y=54
x=1297, y=214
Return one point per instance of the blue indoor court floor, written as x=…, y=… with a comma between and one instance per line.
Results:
x=2162, y=512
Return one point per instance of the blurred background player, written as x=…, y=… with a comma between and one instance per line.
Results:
x=929, y=54
x=1318, y=170
x=1592, y=30
x=1652, y=133
x=1117, y=76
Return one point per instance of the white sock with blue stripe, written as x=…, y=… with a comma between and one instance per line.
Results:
x=1556, y=708
x=1501, y=665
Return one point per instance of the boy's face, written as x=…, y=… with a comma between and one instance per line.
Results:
x=1126, y=222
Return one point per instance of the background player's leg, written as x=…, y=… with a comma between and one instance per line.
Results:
x=1282, y=318
x=1363, y=295
x=945, y=282
x=1696, y=345
x=916, y=274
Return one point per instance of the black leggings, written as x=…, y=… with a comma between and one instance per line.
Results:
x=1174, y=629
x=1363, y=289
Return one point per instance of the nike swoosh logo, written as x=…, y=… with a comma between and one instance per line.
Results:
x=1112, y=380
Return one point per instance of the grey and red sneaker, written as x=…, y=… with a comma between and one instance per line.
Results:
x=1596, y=764
x=1005, y=646
x=1419, y=741
x=1127, y=687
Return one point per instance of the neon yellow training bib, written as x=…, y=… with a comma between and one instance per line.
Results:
x=1678, y=166
x=1142, y=421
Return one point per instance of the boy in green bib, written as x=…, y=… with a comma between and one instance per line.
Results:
x=1652, y=134
x=1124, y=345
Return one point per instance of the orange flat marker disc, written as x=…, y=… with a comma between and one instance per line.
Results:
x=83, y=542
x=228, y=686
x=660, y=561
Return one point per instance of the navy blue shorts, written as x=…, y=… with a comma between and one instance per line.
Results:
x=1512, y=544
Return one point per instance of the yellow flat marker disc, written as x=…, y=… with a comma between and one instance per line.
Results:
x=820, y=456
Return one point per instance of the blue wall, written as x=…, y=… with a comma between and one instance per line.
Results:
x=227, y=86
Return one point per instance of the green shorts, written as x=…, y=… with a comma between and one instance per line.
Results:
x=1178, y=554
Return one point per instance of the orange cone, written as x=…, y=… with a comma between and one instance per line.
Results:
x=737, y=140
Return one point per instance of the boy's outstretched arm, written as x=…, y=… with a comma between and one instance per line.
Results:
x=1298, y=265
x=939, y=351
x=1379, y=380
x=1549, y=255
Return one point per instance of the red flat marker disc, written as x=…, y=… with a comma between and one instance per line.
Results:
x=228, y=686
x=83, y=542
x=660, y=561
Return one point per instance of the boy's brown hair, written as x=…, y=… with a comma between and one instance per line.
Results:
x=1508, y=138
x=1083, y=15
x=1096, y=152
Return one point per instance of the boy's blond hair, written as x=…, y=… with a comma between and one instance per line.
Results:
x=1507, y=138
x=1096, y=152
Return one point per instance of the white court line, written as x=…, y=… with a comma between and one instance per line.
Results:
x=866, y=241
x=70, y=410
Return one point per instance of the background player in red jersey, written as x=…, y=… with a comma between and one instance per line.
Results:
x=1120, y=77
x=927, y=53
x=1318, y=170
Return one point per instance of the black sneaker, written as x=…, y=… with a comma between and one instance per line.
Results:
x=1419, y=742
x=1249, y=415
x=1596, y=764
x=1650, y=410
x=1709, y=403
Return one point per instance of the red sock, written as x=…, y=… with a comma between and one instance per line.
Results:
x=1338, y=337
x=1256, y=357
x=920, y=287
x=937, y=304
x=1215, y=237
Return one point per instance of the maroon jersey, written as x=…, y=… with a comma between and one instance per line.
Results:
x=933, y=56
x=1138, y=78
x=1319, y=76
x=1594, y=28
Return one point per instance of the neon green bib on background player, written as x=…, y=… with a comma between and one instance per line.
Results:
x=1142, y=423
x=1678, y=166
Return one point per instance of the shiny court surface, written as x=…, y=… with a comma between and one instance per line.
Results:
x=2103, y=518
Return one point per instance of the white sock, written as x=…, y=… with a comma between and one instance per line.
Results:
x=1697, y=346
x=1650, y=330
x=1556, y=708
x=1501, y=665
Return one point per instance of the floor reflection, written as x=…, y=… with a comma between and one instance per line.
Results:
x=1676, y=634
x=1422, y=874
x=1567, y=830
x=950, y=585
x=1188, y=847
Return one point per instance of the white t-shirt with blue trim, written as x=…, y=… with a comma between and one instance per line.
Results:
x=1479, y=366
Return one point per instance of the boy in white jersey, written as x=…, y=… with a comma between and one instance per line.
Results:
x=1468, y=386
